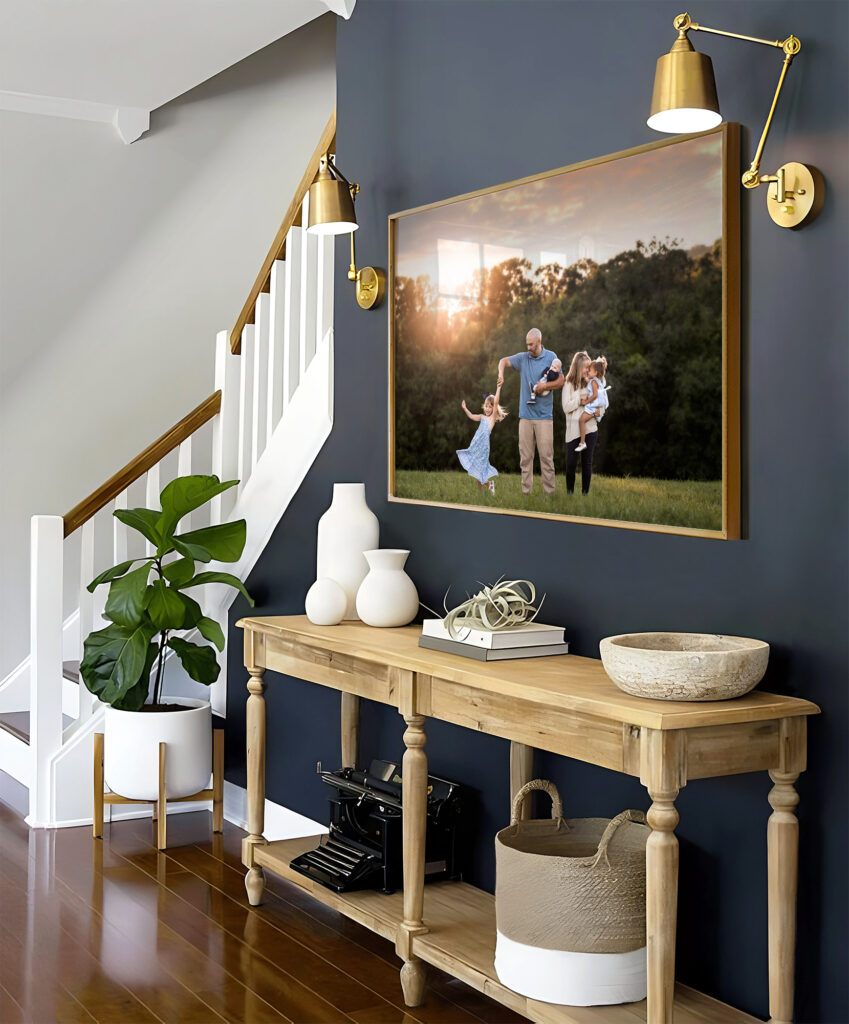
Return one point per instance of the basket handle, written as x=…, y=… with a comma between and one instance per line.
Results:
x=529, y=787
x=637, y=816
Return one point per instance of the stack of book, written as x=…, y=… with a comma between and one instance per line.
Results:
x=530, y=640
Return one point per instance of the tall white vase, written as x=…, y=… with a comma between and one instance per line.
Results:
x=387, y=597
x=345, y=531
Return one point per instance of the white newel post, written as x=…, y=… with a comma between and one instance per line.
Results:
x=46, y=547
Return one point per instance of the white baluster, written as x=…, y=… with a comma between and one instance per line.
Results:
x=292, y=313
x=260, y=383
x=151, y=497
x=276, y=351
x=184, y=468
x=246, y=381
x=225, y=426
x=309, y=307
x=119, y=531
x=324, y=286
x=91, y=605
x=46, y=567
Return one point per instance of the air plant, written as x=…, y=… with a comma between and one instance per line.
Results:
x=503, y=605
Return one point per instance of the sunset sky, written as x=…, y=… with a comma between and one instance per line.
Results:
x=598, y=211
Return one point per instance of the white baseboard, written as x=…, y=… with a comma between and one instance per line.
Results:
x=114, y=812
x=280, y=822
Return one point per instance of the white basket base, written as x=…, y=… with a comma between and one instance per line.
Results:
x=571, y=979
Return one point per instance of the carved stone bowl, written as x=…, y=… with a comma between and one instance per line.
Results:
x=684, y=666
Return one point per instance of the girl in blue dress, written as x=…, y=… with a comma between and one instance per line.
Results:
x=475, y=458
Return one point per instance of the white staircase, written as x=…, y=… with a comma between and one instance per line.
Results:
x=276, y=411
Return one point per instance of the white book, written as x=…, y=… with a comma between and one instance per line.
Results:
x=529, y=634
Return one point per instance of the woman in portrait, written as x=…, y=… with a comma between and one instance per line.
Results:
x=573, y=391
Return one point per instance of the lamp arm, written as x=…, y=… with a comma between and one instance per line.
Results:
x=352, y=269
x=791, y=46
x=751, y=178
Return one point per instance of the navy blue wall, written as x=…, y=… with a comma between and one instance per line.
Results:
x=437, y=99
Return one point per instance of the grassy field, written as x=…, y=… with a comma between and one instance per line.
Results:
x=690, y=503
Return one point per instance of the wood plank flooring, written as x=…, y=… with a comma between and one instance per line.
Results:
x=115, y=932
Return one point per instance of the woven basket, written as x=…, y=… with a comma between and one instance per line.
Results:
x=577, y=886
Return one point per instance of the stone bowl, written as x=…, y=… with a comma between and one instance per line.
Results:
x=684, y=666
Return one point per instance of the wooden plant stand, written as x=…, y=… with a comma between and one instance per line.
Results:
x=566, y=705
x=160, y=806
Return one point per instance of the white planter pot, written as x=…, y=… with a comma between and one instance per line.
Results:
x=387, y=596
x=131, y=750
x=345, y=531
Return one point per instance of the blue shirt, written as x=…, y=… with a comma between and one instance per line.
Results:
x=531, y=369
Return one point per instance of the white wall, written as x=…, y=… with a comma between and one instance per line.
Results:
x=118, y=264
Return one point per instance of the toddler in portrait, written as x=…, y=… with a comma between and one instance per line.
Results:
x=596, y=400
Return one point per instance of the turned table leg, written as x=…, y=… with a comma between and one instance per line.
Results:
x=521, y=772
x=414, y=799
x=662, y=772
x=255, y=734
x=782, y=839
x=350, y=729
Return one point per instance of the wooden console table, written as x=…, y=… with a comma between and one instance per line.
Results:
x=566, y=705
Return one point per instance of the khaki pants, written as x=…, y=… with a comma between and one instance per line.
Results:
x=539, y=434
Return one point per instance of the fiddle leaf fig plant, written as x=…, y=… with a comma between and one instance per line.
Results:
x=148, y=607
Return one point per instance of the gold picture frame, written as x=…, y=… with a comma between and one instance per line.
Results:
x=729, y=525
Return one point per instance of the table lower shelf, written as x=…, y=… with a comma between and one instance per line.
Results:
x=461, y=942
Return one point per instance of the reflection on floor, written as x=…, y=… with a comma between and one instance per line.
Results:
x=112, y=931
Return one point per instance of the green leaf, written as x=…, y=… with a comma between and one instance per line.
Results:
x=164, y=606
x=224, y=543
x=144, y=520
x=185, y=494
x=135, y=697
x=110, y=574
x=198, y=661
x=219, y=577
x=210, y=629
x=179, y=572
x=116, y=659
x=126, y=600
x=193, y=611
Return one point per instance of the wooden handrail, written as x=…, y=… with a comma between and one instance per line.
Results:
x=278, y=246
x=154, y=453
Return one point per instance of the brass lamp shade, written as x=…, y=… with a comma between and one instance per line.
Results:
x=684, y=98
x=331, y=206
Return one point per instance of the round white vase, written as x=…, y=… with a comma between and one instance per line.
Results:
x=387, y=596
x=131, y=750
x=326, y=603
x=345, y=531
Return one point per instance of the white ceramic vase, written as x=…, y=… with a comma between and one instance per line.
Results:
x=387, y=596
x=326, y=603
x=345, y=531
x=131, y=750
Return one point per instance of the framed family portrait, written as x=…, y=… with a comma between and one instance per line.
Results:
x=567, y=345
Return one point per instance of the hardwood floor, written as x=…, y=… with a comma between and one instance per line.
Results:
x=113, y=931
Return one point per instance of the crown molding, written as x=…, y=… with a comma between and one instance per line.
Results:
x=129, y=122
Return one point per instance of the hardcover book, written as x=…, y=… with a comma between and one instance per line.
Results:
x=491, y=653
x=529, y=634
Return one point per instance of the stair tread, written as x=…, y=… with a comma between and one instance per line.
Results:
x=71, y=670
x=17, y=723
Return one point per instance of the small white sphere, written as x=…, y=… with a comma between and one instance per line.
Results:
x=326, y=602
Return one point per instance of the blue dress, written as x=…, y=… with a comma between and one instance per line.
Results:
x=475, y=458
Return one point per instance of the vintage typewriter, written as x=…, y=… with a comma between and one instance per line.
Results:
x=363, y=849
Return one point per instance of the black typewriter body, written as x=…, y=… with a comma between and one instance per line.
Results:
x=363, y=849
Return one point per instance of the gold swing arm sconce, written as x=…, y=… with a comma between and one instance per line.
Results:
x=332, y=212
x=796, y=191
